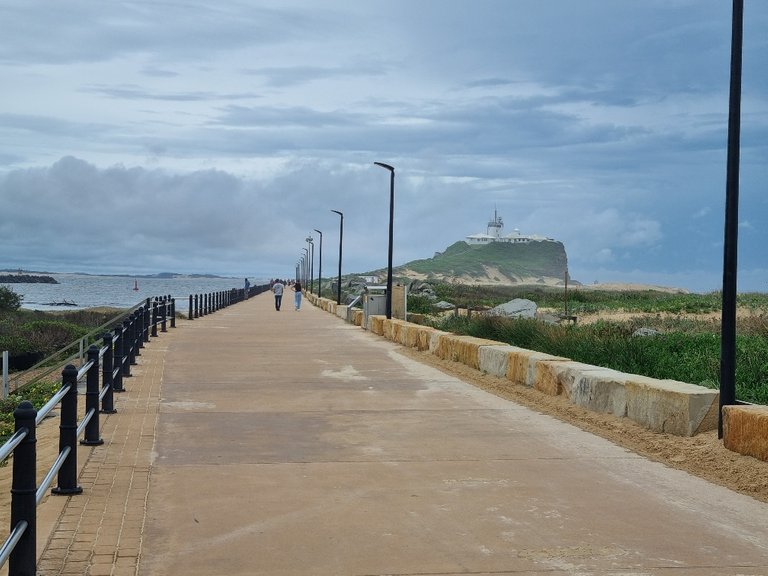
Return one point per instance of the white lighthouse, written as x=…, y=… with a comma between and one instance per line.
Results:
x=493, y=234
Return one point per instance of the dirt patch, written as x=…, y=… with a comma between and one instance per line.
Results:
x=702, y=455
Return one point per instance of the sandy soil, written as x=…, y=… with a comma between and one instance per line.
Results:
x=702, y=455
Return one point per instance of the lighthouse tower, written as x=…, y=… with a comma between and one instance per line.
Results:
x=495, y=226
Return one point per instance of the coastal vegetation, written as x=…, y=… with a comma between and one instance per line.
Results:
x=685, y=328
x=32, y=335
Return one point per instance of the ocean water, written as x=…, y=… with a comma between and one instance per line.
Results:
x=83, y=291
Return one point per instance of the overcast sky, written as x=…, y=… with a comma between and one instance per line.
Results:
x=213, y=137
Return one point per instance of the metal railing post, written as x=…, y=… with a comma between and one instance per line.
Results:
x=164, y=322
x=117, y=359
x=173, y=311
x=191, y=317
x=107, y=368
x=154, y=317
x=23, y=559
x=147, y=318
x=133, y=349
x=140, y=330
x=126, y=359
x=197, y=309
x=67, y=479
x=92, y=437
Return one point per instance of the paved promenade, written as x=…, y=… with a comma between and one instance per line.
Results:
x=255, y=442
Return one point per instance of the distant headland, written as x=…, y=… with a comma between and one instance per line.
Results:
x=26, y=279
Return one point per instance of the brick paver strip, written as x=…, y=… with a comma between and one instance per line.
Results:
x=99, y=532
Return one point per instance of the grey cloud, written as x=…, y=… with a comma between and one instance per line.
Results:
x=134, y=92
x=297, y=75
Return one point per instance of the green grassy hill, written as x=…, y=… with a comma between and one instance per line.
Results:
x=493, y=263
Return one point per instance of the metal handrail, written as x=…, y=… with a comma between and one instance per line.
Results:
x=12, y=442
x=84, y=422
x=51, y=404
x=48, y=480
x=13, y=539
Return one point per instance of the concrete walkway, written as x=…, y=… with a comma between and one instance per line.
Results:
x=290, y=443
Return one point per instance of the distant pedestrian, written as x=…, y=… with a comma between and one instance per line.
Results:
x=247, y=288
x=278, y=288
x=297, y=297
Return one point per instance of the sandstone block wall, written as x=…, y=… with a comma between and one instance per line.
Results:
x=660, y=405
x=745, y=430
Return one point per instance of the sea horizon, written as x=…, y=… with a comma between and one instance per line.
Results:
x=77, y=291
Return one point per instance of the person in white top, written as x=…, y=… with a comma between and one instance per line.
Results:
x=278, y=288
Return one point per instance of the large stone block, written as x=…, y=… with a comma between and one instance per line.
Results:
x=745, y=430
x=593, y=387
x=494, y=360
x=555, y=376
x=434, y=340
x=376, y=324
x=463, y=349
x=422, y=336
x=393, y=329
x=341, y=311
x=357, y=317
x=669, y=406
x=523, y=364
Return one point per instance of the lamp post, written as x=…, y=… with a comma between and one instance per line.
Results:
x=391, y=225
x=311, y=242
x=306, y=266
x=341, y=236
x=320, y=266
x=730, y=252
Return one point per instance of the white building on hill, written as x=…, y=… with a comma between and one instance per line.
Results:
x=493, y=234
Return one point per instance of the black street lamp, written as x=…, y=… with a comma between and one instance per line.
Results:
x=728, y=321
x=311, y=242
x=391, y=225
x=306, y=266
x=320, y=266
x=341, y=236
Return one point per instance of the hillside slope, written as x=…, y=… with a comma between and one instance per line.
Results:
x=494, y=263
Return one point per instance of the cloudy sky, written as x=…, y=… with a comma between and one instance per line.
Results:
x=213, y=137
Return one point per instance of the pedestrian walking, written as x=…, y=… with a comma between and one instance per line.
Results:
x=278, y=288
x=297, y=297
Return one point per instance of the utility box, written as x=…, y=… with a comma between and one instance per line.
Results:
x=374, y=302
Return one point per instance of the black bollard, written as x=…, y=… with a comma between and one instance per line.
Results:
x=154, y=317
x=107, y=369
x=67, y=479
x=92, y=437
x=117, y=360
x=23, y=559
